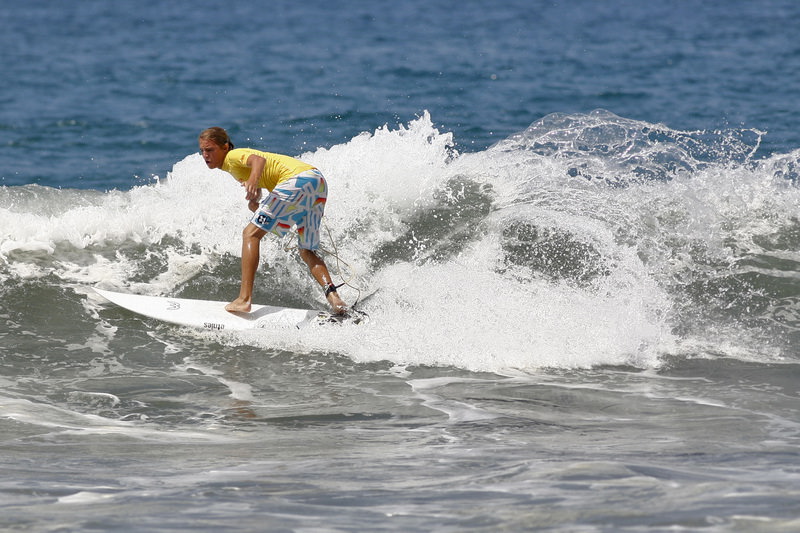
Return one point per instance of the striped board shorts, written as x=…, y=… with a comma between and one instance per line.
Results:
x=298, y=201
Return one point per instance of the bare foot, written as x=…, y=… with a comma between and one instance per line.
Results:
x=337, y=304
x=239, y=305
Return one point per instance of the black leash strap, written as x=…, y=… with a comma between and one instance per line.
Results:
x=330, y=287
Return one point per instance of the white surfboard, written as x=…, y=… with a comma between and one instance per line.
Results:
x=212, y=315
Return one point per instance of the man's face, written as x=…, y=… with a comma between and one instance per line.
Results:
x=213, y=154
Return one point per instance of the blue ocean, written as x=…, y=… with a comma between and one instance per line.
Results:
x=574, y=225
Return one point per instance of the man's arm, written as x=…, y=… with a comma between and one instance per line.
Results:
x=256, y=164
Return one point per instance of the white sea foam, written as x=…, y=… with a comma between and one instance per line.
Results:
x=591, y=285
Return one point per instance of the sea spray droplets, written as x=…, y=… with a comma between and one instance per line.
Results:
x=615, y=150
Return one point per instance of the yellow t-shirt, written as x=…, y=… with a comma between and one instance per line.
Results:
x=278, y=168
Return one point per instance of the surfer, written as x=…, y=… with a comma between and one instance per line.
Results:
x=297, y=195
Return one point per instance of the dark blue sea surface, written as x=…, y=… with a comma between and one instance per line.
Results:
x=575, y=228
x=105, y=94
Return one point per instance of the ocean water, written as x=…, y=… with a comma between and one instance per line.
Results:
x=575, y=227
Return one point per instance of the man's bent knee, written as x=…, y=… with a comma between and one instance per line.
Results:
x=251, y=231
x=308, y=255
